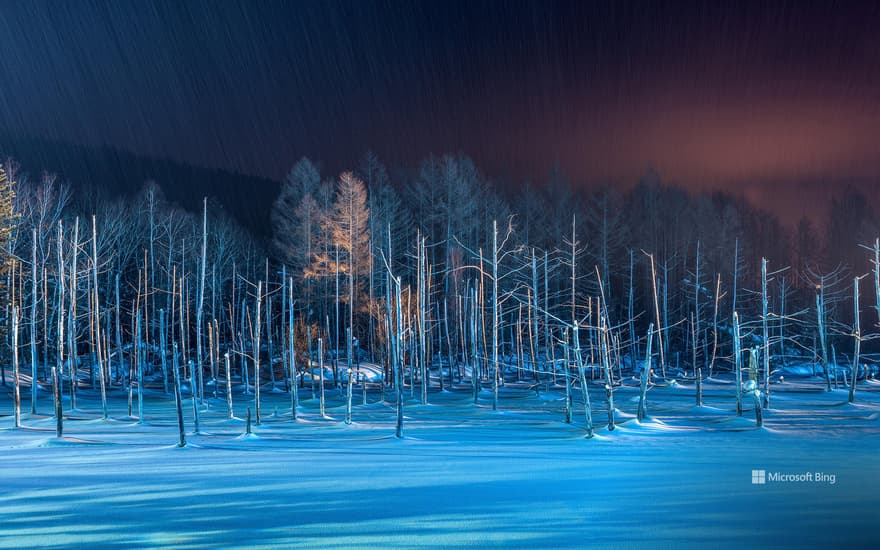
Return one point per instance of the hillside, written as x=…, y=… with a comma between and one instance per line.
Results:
x=120, y=173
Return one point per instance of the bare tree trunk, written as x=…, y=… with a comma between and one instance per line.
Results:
x=695, y=325
x=163, y=345
x=699, y=387
x=256, y=343
x=119, y=370
x=291, y=349
x=46, y=328
x=228, y=365
x=449, y=357
x=735, y=271
x=693, y=344
x=737, y=362
x=60, y=286
x=211, y=357
x=630, y=313
x=548, y=342
x=759, y=413
x=284, y=329
x=857, y=335
x=877, y=275
x=96, y=312
x=494, y=315
x=398, y=364
x=423, y=356
x=33, y=322
x=140, y=367
x=270, y=338
x=765, y=334
x=321, y=369
x=71, y=318
x=715, y=324
x=178, y=402
x=56, y=390
x=309, y=351
x=475, y=362
x=349, y=385
x=16, y=382
x=660, y=328
x=336, y=328
x=646, y=376
x=588, y=409
x=606, y=363
x=567, y=377
x=820, y=316
x=533, y=323
x=782, y=320
x=200, y=305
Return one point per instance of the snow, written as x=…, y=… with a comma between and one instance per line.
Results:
x=463, y=475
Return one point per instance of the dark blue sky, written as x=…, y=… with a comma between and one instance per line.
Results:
x=760, y=95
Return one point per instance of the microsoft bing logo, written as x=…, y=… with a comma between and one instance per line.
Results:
x=759, y=477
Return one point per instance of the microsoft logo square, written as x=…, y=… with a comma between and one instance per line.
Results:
x=759, y=477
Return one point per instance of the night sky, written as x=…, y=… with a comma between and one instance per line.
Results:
x=777, y=100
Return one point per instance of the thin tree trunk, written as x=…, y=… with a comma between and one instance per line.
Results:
x=699, y=387
x=163, y=350
x=321, y=369
x=349, y=385
x=291, y=349
x=475, y=361
x=56, y=390
x=228, y=365
x=71, y=318
x=16, y=382
x=715, y=324
x=256, y=344
x=660, y=328
x=33, y=322
x=200, y=304
x=646, y=376
x=857, y=335
x=588, y=409
x=737, y=362
x=140, y=367
x=494, y=315
x=820, y=317
x=567, y=377
x=119, y=367
x=606, y=363
x=178, y=402
x=765, y=333
x=398, y=364
x=96, y=312
x=60, y=285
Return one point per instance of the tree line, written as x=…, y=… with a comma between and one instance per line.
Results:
x=440, y=271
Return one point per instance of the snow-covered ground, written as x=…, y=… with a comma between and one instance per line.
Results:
x=462, y=476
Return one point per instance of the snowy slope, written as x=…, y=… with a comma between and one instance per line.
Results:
x=462, y=476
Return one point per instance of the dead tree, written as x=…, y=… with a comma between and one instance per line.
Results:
x=96, y=319
x=256, y=344
x=737, y=362
x=177, y=399
x=71, y=318
x=33, y=323
x=765, y=338
x=857, y=337
x=200, y=306
x=228, y=385
x=646, y=376
x=291, y=350
x=15, y=377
